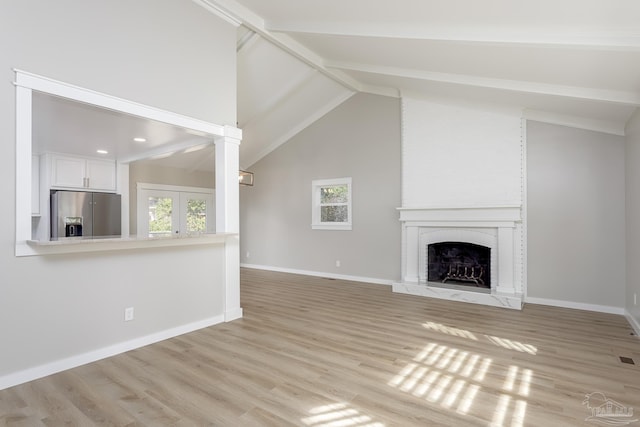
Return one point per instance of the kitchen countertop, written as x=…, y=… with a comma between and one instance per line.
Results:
x=73, y=244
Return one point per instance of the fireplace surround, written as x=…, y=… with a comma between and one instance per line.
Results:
x=497, y=228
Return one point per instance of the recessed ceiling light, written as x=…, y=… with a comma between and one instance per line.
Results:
x=140, y=139
x=102, y=152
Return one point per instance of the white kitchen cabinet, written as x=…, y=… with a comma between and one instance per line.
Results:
x=69, y=172
x=101, y=175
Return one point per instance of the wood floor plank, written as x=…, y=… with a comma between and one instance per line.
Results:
x=317, y=352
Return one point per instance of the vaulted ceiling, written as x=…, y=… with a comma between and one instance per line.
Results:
x=573, y=62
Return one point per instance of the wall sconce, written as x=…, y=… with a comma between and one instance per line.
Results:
x=245, y=178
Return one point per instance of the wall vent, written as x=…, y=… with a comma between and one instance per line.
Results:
x=627, y=360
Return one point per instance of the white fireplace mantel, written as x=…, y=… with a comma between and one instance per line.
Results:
x=499, y=227
x=507, y=214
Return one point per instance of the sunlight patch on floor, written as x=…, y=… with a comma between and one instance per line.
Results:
x=512, y=405
x=338, y=415
x=463, y=333
x=454, y=378
x=512, y=345
x=435, y=376
x=439, y=327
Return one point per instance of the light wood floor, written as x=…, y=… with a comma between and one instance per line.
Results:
x=319, y=352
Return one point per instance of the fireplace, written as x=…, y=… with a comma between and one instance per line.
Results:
x=470, y=254
x=459, y=263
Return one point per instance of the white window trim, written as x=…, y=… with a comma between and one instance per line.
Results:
x=142, y=219
x=316, y=224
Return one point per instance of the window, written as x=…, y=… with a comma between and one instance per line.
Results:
x=165, y=210
x=331, y=208
x=161, y=214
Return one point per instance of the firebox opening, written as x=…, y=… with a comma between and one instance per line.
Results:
x=459, y=263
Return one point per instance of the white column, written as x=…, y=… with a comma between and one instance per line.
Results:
x=23, y=171
x=228, y=215
x=505, y=260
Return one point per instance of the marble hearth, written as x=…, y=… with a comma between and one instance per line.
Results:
x=496, y=227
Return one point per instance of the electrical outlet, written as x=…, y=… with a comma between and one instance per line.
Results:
x=248, y=254
x=337, y=263
x=128, y=314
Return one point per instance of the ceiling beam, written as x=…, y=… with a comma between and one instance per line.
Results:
x=257, y=24
x=605, y=39
x=219, y=12
x=247, y=39
x=612, y=96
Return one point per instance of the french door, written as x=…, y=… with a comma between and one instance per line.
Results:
x=164, y=212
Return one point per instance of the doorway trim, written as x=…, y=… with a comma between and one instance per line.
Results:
x=142, y=188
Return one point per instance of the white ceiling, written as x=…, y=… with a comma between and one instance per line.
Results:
x=278, y=95
x=65, y=126
x=574, y=62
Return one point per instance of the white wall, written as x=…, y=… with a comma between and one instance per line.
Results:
x=576, y=216
x=167, y=54
x=172, y=55
x=632, y=160
x=459, y=156
x=358, y=139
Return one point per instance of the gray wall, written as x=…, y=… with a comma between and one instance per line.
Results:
x=632, y=158
x=358, y=139
x=171, y=55
x=149, y=173
x=576, y=215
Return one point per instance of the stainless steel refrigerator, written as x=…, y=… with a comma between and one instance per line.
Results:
x=83, y=214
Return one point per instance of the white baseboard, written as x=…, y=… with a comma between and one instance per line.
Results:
x=320, y=274
x=635, y=324
x=34, y=373
x=576, y=305
x=233, y=315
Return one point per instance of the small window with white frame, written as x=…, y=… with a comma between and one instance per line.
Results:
x=331, y=204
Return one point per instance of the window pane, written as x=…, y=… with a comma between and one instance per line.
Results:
x=333, y=213
x=160, y=215
x=196, y=216
x=333, y=194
